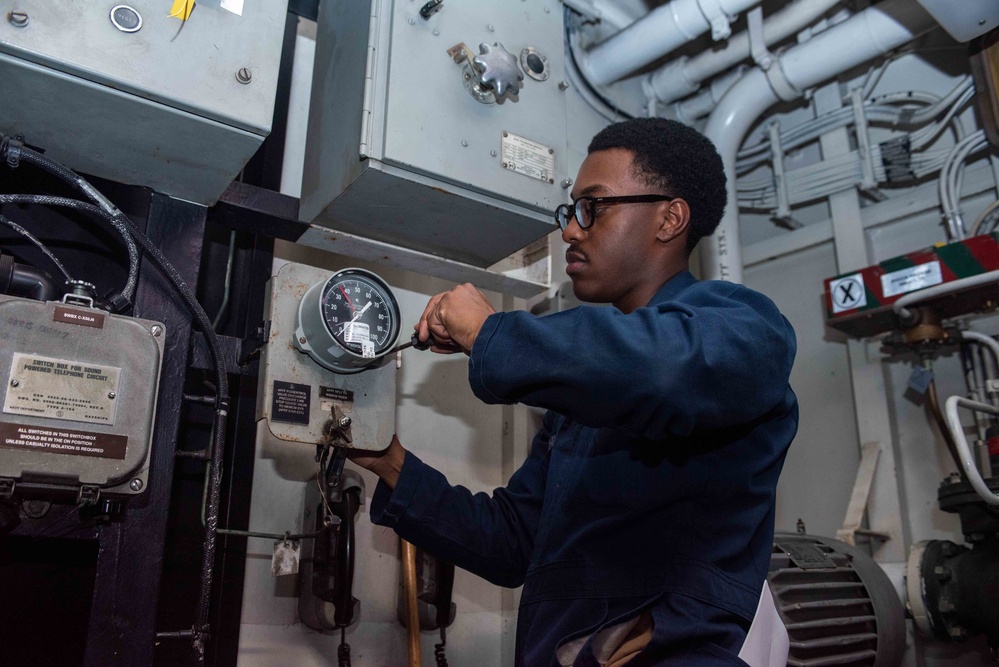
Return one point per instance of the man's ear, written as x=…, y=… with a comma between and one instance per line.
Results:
x=675, y=218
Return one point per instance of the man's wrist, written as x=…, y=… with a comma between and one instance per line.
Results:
x=389, y=466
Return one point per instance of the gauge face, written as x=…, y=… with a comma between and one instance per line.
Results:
x=360, y=313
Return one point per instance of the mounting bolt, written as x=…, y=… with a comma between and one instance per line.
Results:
x=563, y=85
x=566, y=183
x=945, y=606
x=942, y=573
x=136, y=484
x=112, y=395
x=344, y=422
x=302, y=340
x=436, y=32
x=491, y=28
x=464, y=143
x=244, y=75
x=17, y=18
x=493, y=153
x=14, y=383
x=156, y=330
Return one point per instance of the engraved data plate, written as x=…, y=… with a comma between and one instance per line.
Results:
x=64, y=389
x=528, y=157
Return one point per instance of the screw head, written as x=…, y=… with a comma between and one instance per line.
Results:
x=464, y=143
x=563, y=85
x=412, y=21
x=112, y=395
x=136, y=484
x=156, y=330
x=244, y=75
x=493, y=153
x=302, y=340
x=566, y=183
x=491, y=28
x=436, y=32
x=14, y=383
x=17, y=18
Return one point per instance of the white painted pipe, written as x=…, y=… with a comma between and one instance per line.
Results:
x=870, y=33
x=965, y=456
x=987, y=341
x=700, y=105
x=683, y=76
x=901, y=306
x=660, y=32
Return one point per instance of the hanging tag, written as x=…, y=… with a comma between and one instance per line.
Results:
x=234, y=6
x=920, y=379
x=182, y=9
x=286, y=556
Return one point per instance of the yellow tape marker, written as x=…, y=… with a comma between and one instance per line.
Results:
x=182, y=9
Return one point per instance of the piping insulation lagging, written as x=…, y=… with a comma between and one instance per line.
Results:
x=901, y=307
x=964, y=451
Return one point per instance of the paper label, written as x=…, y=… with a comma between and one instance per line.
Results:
x=912, y=279
x=848, y=293
x=234, y=6
x=368, y=349
x=356, y=332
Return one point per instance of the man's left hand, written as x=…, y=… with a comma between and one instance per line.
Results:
x=455, y=318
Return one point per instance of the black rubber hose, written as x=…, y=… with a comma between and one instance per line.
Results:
x=23, y=280
x=113, y=215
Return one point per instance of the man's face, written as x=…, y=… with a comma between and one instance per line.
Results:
x=613, y=260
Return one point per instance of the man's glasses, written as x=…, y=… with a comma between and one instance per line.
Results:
x=584, y=209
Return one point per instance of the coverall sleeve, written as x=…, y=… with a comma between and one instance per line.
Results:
x=716, y=356
x=491, y=536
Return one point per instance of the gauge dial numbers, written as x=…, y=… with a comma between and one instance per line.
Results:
x=349, y=321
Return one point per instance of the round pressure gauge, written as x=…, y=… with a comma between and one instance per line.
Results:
x=348, y=322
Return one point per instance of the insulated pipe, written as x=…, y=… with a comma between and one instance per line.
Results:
x=662, y=30
x=683, y=76
x=700, y=105
x=868, y=34
x=967, y=459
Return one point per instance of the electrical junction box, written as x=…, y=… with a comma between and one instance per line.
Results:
x=860, y=303
x=78, y=390
x=128, y=93
x=422, y=135
x=298, y=398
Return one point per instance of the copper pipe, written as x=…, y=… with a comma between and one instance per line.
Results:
x=412, y=608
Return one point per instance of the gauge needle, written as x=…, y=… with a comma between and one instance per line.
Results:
x=349, y=302
x=354, y=318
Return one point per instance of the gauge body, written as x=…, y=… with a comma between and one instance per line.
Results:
x=348, y=322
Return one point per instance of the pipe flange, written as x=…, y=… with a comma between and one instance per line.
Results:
x=716, y=16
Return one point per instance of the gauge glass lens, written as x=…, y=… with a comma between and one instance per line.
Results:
x=359, y=313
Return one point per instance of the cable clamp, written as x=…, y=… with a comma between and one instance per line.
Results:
x=769, y=62
x=716, y=16
x=10, y=148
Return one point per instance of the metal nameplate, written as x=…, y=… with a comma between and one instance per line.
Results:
x=528, y=157
x=65, y=389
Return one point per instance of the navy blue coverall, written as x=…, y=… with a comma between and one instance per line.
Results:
x=650, y=485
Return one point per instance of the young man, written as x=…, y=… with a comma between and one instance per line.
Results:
x=641, y=523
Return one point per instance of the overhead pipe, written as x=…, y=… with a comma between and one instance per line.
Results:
x=683, y=76
x=664, y=29
x=864, y=36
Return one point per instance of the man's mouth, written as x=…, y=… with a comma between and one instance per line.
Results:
x=574, y=261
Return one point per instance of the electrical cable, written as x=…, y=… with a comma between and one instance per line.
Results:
x=977, y=227
x=228, y=281
x=13, y=152
x=439, y=656
x=41, y=246
x=596, y=101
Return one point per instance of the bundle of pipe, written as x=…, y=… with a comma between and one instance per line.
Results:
x=860, y=38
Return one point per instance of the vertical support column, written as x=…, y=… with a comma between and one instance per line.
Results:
x=130, y=562
x=870, y=398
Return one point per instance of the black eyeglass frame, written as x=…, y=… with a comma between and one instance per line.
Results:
x=565, y=212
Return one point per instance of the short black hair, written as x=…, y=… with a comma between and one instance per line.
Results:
x=676, y=160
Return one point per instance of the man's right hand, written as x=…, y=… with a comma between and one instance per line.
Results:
x=387, y=463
